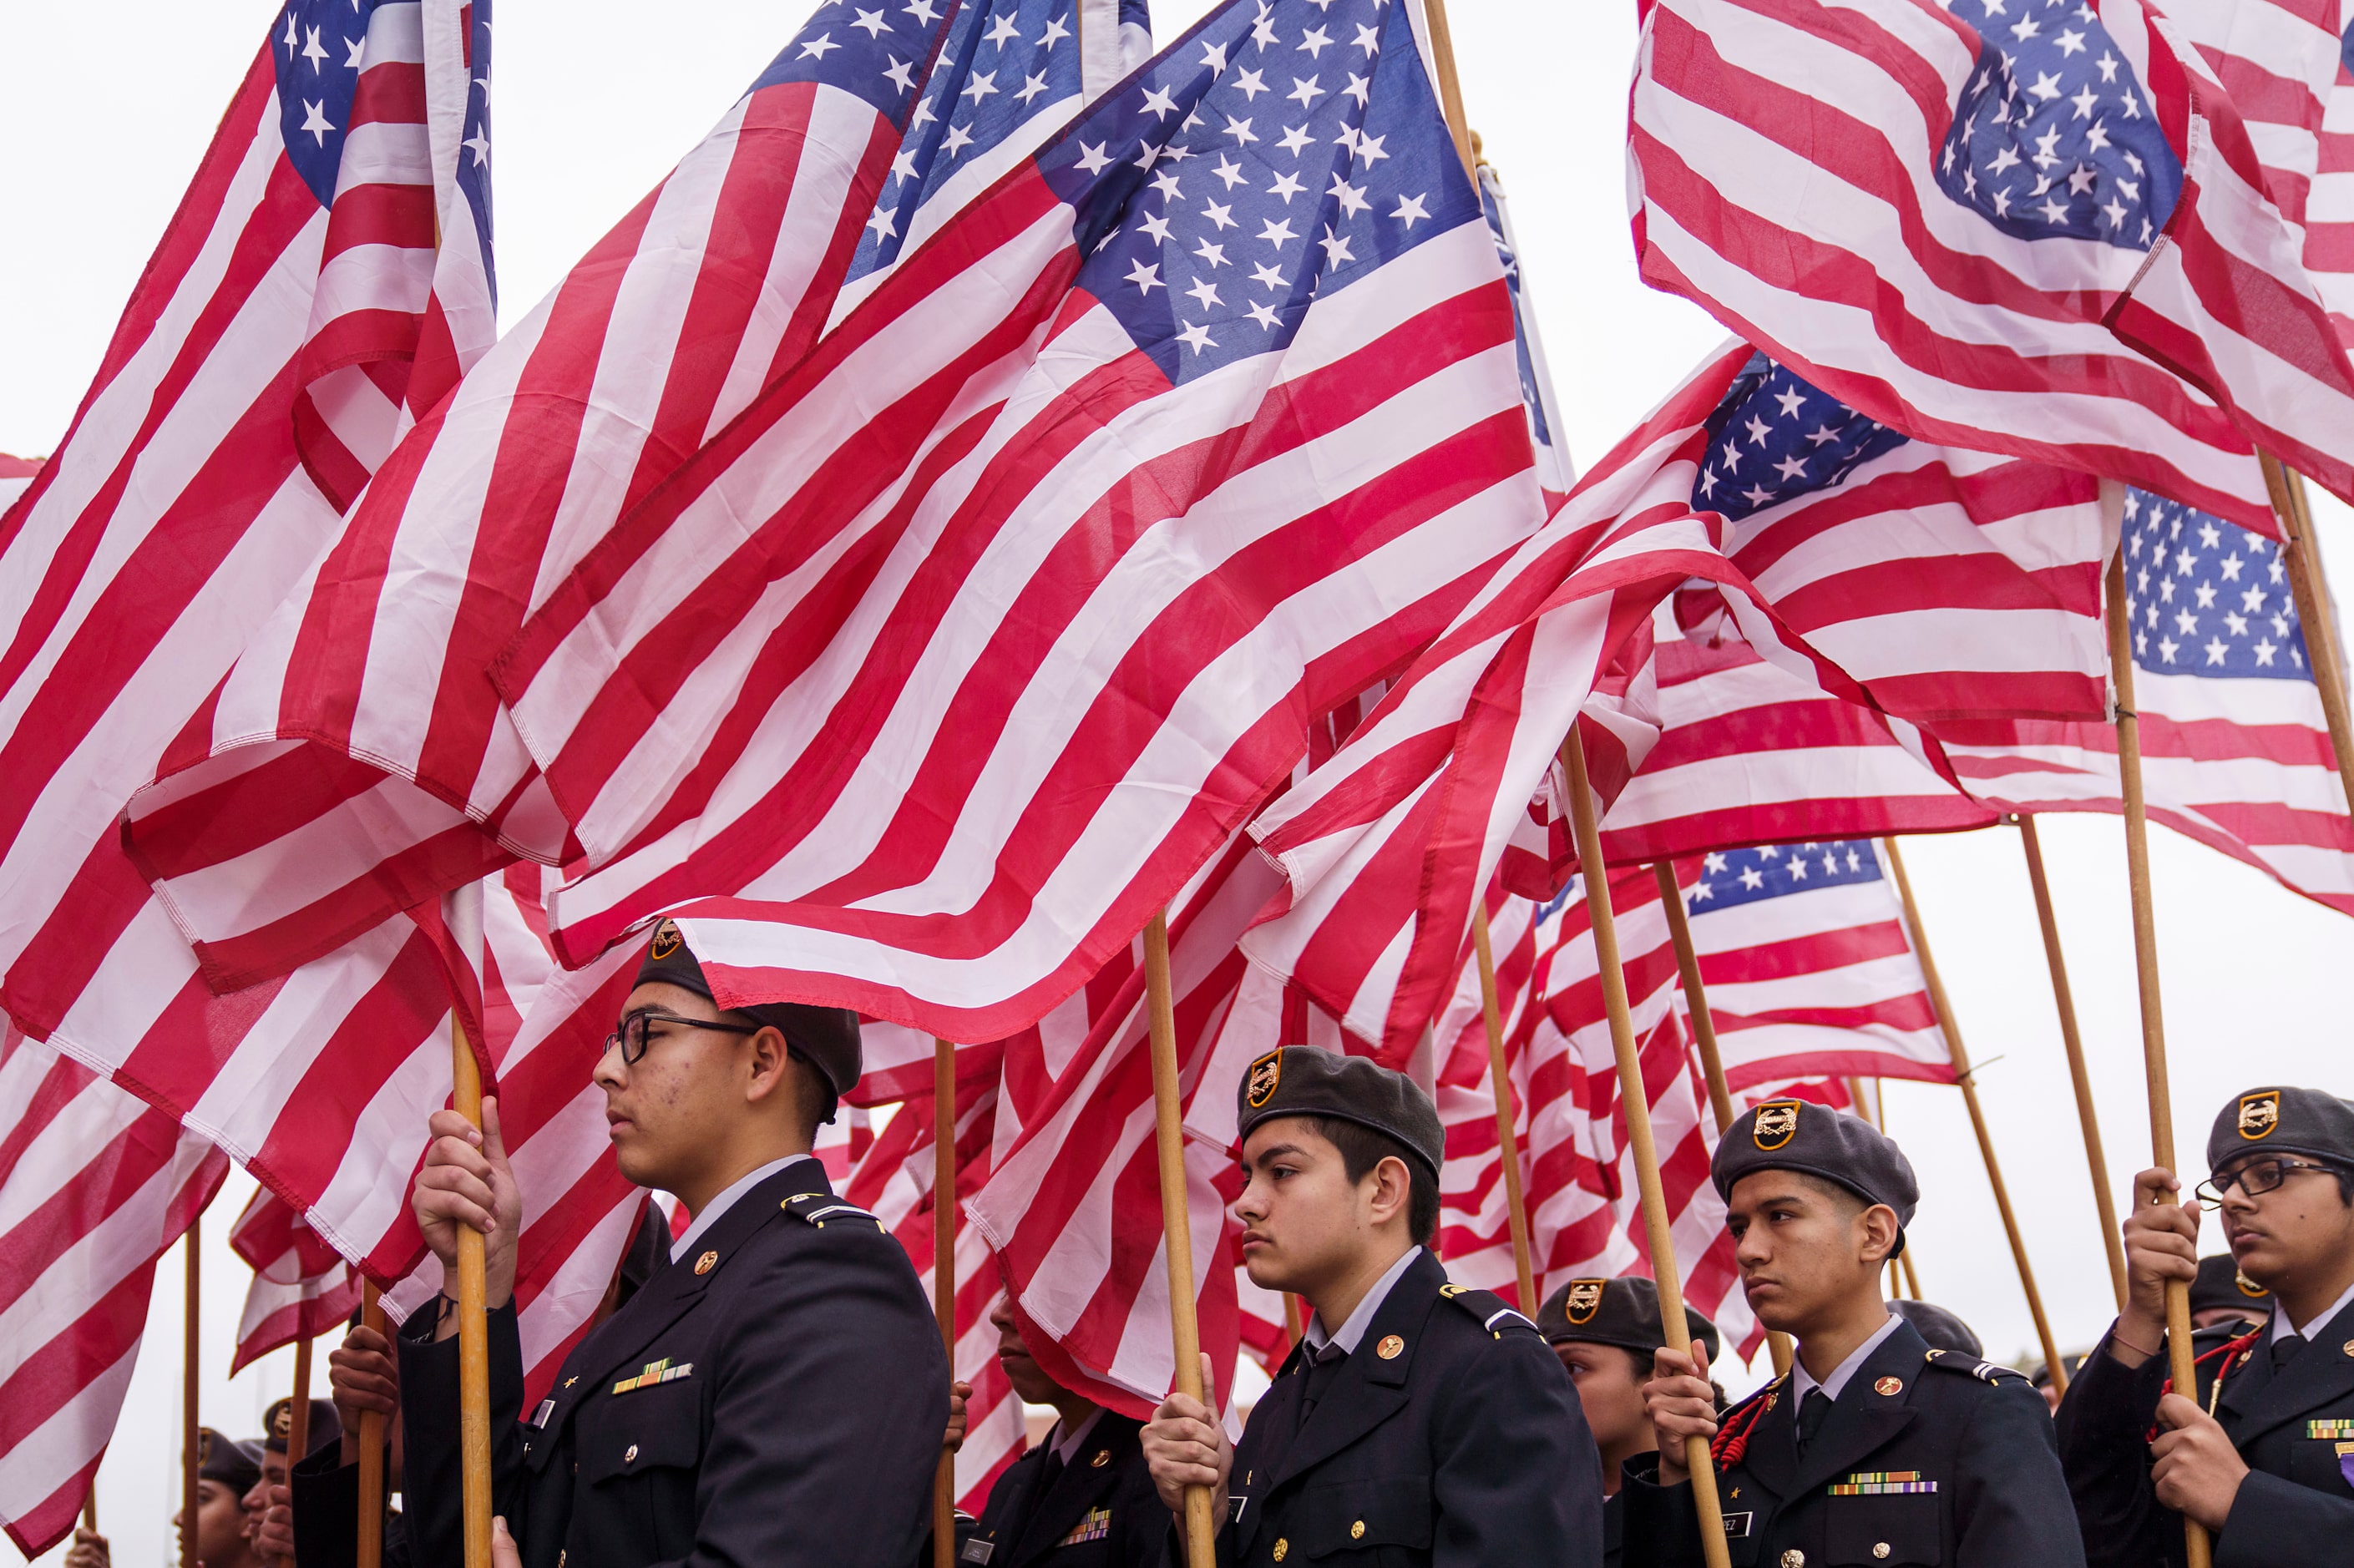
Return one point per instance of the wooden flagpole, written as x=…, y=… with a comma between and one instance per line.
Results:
x=2064, y=1000
x=2297, y=549
x=1903, y=1279
x=1515, y=1205
x=191, y=1446
x=2197, y=1551
x=90, y=1508
x=1176, y=1221
x=1961, y=1056
x=298, y=1419
x=944, y=1200
x=370, y=1545
x=1294, y=1323
x=1698, y=1461
x=1711, y=1060
x=473, y=1328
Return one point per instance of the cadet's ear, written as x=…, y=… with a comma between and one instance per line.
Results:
x=1876, y=1231
x=1393, y=1188
x=771, y=1065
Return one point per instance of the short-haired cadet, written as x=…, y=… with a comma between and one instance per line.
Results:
x=773, y=1394
x=1417, y=1421
x=1608, y=1333
x=1874, y=1447
x=2262, y=1451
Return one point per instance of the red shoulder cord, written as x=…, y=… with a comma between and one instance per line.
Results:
x=2234, y=1354
x=1731, y=1439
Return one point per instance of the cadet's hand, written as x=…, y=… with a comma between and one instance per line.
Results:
x=2197, y=1471
x=361, y=1377
x=274, y=1533
x=2161, y=1244
x=1681, y=1404
x=959, y=1392
x=1186, y=1445
x=88, y=1551
x=466, y=1183
x=503, y=1547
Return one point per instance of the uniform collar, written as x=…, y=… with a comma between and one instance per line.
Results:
x=2281, y=1324
x=726, y=1200
x=1354, y=1331
x=1801, y=1380
x=1066, y=1444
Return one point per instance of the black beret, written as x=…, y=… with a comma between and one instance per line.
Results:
x=1801, y=1135
x=1308, y=1080
x=2221, y=1285
x=278, y=1425
x=1943, y=1329
x=2282, y=1121
x=825, y=1037
x=235, y=1464
x=1623, y=1312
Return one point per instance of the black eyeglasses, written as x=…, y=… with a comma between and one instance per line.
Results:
x=636, y=1032
x=2255, y=1178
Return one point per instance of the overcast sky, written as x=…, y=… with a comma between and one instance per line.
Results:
x=103, y=125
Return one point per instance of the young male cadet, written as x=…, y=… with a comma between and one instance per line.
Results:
x=1874, y=1448
x=1607, y=1334
x=1081, y=1498
x=268, y=1505
x=774, y=1395
x=2263, y=1454
x=1417, y=1422
x=226, y=1471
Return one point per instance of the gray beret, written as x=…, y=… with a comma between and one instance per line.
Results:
x=1308, y=1080
x=1943, y=1329
x=825, y=1037
x=1623, y=1312
x=2282, y=1121
x=1801, y=1135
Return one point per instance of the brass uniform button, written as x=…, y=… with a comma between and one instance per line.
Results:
x=632, y=1456
x=1281, y=1547
x=1880, y=1549
x=1794, y=1558
x=1357, y=1530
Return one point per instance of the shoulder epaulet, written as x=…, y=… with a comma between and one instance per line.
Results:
x=1738, y=1419
x=1985, y=1372
x=822, y=1209
x=1494, y=1313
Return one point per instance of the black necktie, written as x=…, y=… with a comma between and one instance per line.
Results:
x=2285, y=1350
x=1812, y=1411
x=1321, y=1371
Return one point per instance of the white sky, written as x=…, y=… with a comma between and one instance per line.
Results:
x=596, y=99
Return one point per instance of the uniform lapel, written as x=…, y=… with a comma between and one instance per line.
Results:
x=1862, y=1420
x=1084, y=1485
x=674, y=1291
x=2322, y=1373
x=1271, y=1422
x=1369, y=1389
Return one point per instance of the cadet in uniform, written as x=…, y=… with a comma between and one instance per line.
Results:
x=1607, y=1334
x=268, y=1505
x=226, y=1471
x=2263, y=1456
x=775, y=1393
x=1417, y=1421
x=1874, y=1448
x=1082, y=1498
x=2223, y=1294
x=326, y=1486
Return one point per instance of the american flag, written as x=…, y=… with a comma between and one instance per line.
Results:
x=95, y=1185
x=1555, y=472
x=1807, y=966
x=302, y=1286
x=1930, y=212
x=1274, y=440
x=365, y=708
x=2329, y=207
x=2235, y=750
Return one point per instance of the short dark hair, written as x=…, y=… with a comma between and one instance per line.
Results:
x=1361, y=1148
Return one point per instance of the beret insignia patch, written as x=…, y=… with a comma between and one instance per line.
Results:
x=1584, y=1300
x=2259, y=1114
x=1776, y=1124
x=1265, y=1075
x=2248, y=1286
x=666, y=941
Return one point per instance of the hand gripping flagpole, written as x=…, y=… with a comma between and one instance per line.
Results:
x=1711, y=1061
x=1506, y=1141
x=474, y=1326
x=2064, y=1000
x=2196, y=1550
x=1176, y=1219
x=370, y=1545
x=944, y=1200
x=191, y=1438
x=1961, y=1058
x=1632, y=1099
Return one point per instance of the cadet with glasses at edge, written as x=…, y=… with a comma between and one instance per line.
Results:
x=2262, y=1453
x=1874, y=1448
x=774, y=1394
x=1417, y=1421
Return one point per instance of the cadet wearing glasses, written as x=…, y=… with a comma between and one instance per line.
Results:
x=2263, y=1452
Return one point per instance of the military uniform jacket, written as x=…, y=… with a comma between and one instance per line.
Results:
x=1926, y=1457
x=1464, y=1445
x=2295, y=1427
x=775, y=1398
x=1100, y=1512
x=325, y=1495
